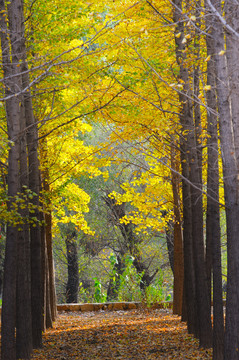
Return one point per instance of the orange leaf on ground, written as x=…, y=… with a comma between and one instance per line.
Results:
x=128, y=335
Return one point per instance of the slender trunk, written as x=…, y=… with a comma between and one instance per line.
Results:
x=189, y=272
x=178, y=241
x=35, y=236
x=43, y=272
x=202, y=294
x=23, y=320
x=196, y=86
x=13, y=114
x=35, y=230
x=72, y=286
x=227, y=108
x=229, y=125
x=2, y=255
x=202, y=321
x=213, y=232
x=51, y=274
x=48, y=315
x=169, y=232
x=204, y=303
x=47, y=321
x=48, y=276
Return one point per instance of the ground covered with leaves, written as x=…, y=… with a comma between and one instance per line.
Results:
x=129, y=335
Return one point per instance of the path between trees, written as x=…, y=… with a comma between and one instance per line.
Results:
x=129, y=335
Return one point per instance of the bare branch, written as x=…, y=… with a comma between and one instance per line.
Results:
x=221, y=18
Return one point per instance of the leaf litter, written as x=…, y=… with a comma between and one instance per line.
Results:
x=128, y=335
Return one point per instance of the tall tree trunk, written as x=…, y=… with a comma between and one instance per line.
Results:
x=13, y=114
x=19, y=117
x=43, y=272
x=47, y=321
x=178, y=241
x=227, y=73
x=189, y=272
x=202, y=294
x=51, y=273
x=48, y=268
x=227, y=89
x=204, y=305
x=24, y=319
x=213, y=232
x=35, y=233
x=196, y=86
x=202, y=321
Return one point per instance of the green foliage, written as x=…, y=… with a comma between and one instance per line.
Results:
x=99, y=296
x=129, y=289
x=113, y=262
x=157, y=292
x=10, y=207
x=83, y=294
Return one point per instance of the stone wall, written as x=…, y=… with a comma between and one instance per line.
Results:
x=113, y=306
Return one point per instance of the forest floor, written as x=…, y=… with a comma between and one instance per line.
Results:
x=113, y=335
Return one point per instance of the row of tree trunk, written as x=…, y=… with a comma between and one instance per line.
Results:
x=28, y=269
x=202, y=262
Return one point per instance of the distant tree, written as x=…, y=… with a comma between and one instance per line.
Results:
x=72, y=286
x=131, y=242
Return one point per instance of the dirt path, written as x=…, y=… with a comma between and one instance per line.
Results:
x=128, y=335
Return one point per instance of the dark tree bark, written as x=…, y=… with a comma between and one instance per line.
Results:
x=23, y=173
x=213, y=232
x=47, y=321
x=189, y=272
x=196, y=86
x=48, y=277
x=43, y=272
x=2, y=254
x=35, y=233
x=232, y=185
x=52, y=290
x=170, y=243
x=13, y=114
x=198, y=308
x=72, y=286
x=24, y=318
x=178, y=260
x=227, y=73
